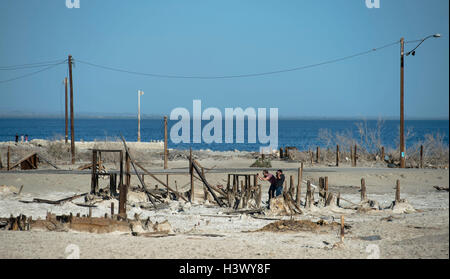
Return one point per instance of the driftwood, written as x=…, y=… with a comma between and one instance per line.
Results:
x=58, y=202
x=441, y=188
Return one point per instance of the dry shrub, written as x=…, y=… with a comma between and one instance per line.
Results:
x=435, y=151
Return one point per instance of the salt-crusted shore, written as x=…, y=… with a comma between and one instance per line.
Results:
x=206, y=231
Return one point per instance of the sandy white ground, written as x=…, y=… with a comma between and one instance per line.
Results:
x=423, y=234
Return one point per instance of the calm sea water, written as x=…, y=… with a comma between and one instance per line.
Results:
x=302, y=134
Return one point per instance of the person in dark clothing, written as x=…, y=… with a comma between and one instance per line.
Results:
x=279, y=183
x=273, y=182
x=17, y=138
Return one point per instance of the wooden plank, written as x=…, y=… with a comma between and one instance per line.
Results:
x=22, y=160
x=194, y=166
x=47, y=161
x=57, y=202
x=160, y=181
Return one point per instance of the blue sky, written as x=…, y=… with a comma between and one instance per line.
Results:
x=225, y=38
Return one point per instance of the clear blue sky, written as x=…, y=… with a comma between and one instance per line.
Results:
x=223, y=38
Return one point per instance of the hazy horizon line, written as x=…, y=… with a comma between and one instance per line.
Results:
x=161, y=116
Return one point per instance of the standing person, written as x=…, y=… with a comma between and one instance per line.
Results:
x=26, y=138
x=273, y=183
x=21, y=138
x=280, y=182
x=17, y=138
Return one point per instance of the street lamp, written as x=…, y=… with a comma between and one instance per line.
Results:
x=402, y=93
x=140, y=93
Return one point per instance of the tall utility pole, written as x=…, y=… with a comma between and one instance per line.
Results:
x=402, y=108
x=139, y=114
x=72, y=135
x=402, y=93
x=67, y=112
x=165, y=143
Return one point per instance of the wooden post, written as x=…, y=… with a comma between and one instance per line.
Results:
x=99, y=161
x=299, y=184
x=124, y=188
x=421, y=156
x=397, y=192
x=67, y=114
x=310, y=156
x=281, y=152
x=291, y=186
x=113, y=184
x=318, y=154
x=121, y=170
x=90, y=212
x=308, y=194
x=191, y=170
x=342, y=228
x=355, y=156
x=243, y=196
x=338, y=199
x=1, y=163
x=166, y=153
x=72, y=132
x=325, y=187
x=8, y=159
x=337, y=155
x=382, y=154
x=363, y=190
x=94, y=172
x=259, y=196
x=112, y=210
x=167, y=183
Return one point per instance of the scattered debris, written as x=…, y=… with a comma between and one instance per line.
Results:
x=441, y=188
x=320, y=226
x=58, y=202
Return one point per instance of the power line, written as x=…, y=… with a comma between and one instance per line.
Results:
x=31, y=65
x=241, y=75
x=33, y=73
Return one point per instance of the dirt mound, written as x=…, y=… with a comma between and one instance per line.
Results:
x=301, y=226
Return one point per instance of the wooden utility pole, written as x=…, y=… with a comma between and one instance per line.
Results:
x=72, y=133
x=165, y=143
x=67, y=113
x=397, y=192
x=140, y=93
x=402, y=105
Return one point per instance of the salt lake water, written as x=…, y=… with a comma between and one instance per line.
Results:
x=303, y=134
